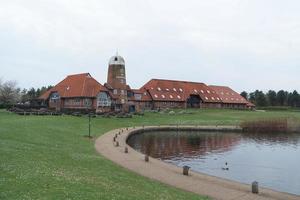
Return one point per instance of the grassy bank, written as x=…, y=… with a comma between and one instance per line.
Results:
x=47, y=157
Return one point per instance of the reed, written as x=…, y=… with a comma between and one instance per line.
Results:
x=265, y=125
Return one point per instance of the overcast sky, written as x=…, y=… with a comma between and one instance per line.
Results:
x=245, y=44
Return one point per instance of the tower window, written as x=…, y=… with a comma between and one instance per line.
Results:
x=116, y=58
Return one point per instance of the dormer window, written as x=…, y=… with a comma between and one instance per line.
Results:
x=159, y=89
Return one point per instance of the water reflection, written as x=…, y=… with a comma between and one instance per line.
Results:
x=166, y=145
x=271, y=159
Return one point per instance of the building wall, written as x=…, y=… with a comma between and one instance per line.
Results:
x=116, y=78
x=234, y=106
x=79, y=103
x=211, y=105
x=168, y=104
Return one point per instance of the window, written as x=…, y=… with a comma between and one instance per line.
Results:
x=115, y=91
x=206, y=98
x=122, y=81
x=137, y=96
x=167, y=89
x=195, y=91
x=103, y=99
x=159, y=89
x=122, y=92
x=174, y=89
x=54, y=97
x=212, y=98
x=171, y=96
x=218, y=98
x=155, y=96
x=87, y=102
x=163, y=96
x=179, y=97
x=208, y=91
x=202, y=91
x=180, y=90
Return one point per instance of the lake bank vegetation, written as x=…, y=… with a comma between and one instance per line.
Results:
x=272, y=125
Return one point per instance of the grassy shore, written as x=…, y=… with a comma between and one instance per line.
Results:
x=48, y=157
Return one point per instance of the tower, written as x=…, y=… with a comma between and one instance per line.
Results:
x=116, y=78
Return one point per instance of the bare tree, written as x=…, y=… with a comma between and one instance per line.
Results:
x=9, y=92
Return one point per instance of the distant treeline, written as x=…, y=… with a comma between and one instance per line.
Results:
x=11, y=94
x=272, y=98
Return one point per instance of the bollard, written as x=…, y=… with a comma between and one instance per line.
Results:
x=117, y=143
x=127, y=129
x=116, y=135
x=119, y=133
x=255, y=187
x=146, y=158
x=114, y=139
x=186, y=170
x=126, y=150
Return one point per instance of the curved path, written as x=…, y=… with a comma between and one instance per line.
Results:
x=216, y=188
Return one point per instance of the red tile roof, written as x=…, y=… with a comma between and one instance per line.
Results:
x=172, y=90
x=227, y=95
x=145, y=95
x=77, y=85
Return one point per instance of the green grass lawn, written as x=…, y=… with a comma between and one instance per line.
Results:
x=47, y=157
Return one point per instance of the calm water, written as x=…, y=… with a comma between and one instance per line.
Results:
x=271, y=159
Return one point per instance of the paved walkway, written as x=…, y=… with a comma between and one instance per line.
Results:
x=169, y=174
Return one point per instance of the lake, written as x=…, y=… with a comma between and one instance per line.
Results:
x=271, y=159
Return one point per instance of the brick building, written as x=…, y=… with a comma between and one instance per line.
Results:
x=83, y=92
x=78, y=92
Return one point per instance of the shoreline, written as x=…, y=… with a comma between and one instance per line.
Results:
x=199, y=183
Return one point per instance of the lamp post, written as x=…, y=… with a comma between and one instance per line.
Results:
x=89, y=125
